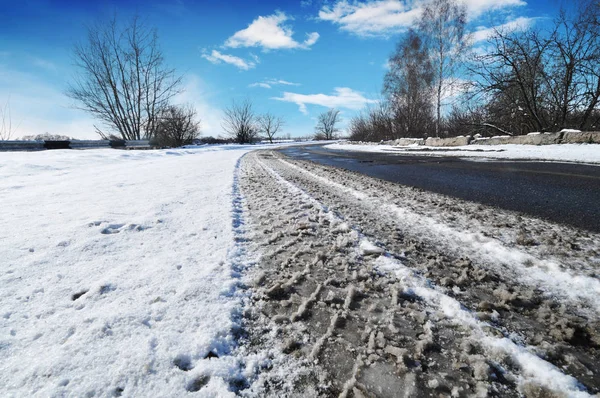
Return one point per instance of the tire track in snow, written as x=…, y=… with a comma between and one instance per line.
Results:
x=547, y=274
x=533, y=369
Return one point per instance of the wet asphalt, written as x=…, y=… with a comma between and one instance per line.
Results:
x=565, y=193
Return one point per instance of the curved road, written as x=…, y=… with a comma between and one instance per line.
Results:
x=561, y=192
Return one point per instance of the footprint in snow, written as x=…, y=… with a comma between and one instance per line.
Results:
x=117, y=228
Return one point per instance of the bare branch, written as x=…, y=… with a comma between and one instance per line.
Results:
x=240, y=122
x=270, y=125
x=326, y=125
x=122, y=80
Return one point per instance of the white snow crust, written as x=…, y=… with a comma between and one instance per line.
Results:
x=579, y=153
x=120, y=273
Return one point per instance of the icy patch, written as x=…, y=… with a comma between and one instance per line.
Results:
x=532, y=369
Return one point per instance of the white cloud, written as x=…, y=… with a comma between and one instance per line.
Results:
x=269, y=83
x=216, y=58
x=373, y=18
x=518, y=24
x=477, y=7
x=344, y=97
x=270, y=33
x=282, y=82
x=311, y=38
x=261, y=84
x=44, y=64
x=385, y=17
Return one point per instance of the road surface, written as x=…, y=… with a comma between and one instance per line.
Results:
x=560, y=192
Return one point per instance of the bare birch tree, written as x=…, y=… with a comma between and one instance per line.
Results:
x=270, y=125
x=543, y=81
x=122, y=78
x=442, y=24
x=408, y=86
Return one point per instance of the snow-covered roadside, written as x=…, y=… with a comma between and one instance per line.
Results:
x=580, y=153
x=119, y=273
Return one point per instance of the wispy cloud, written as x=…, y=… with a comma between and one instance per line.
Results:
x=476, y=8
x=260, y=84
x=269, y=83
x=373, y=18
x=343, y=97
x=44, y=64
x=385, y=17
x=270, y=33
x=38, y=106
x=518, y=24
x=216, y=58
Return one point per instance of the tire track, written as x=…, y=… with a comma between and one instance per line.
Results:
x=367, y=331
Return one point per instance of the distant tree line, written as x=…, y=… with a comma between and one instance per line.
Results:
x=525, y=80
x=46, y=137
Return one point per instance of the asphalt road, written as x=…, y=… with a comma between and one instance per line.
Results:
x=561, y=192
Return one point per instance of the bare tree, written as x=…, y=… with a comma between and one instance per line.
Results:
x=270, y=125
x=177, y=126
x=572, y=66
x=408, y=86
x=122, y=78
x=326, y=125
x=360, y=129
x=543, y=80
x=6, y=126
x=240, y=122
x=375, y=124
x=443, y=26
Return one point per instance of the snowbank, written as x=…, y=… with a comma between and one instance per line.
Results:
x=582, y=153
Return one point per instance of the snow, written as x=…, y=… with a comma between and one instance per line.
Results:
x=533, y=367
x=580, y=153
x=120, y=273
x=548, y=274
x=570, y=131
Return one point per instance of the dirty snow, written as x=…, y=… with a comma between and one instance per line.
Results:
x=580, y=153
x=387, y=289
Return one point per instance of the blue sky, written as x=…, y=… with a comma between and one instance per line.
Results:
x=292, y=58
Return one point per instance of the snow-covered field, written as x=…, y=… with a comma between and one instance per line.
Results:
x=580, y=153
x=120, y=273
